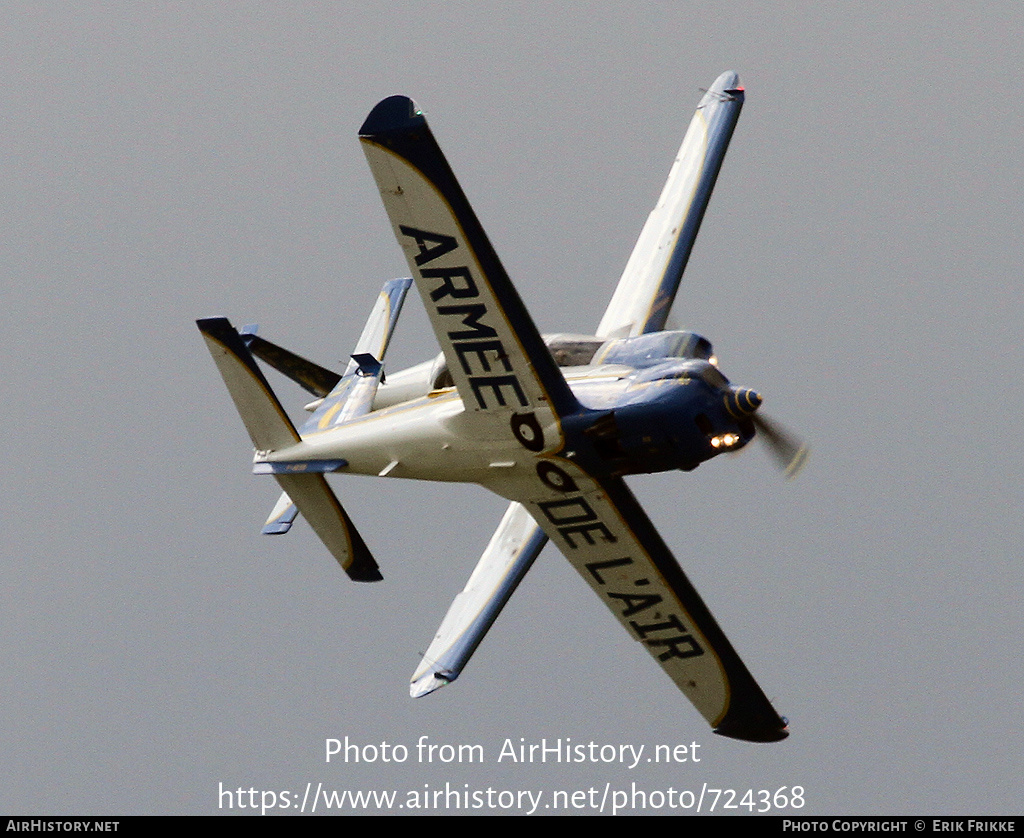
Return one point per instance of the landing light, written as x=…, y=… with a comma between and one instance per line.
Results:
x=724, y=441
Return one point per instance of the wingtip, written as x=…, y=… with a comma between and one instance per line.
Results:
x=396, y=113
x=726, y=88
x=214, y=325
x=427, y=684
x=727, y=82
x=276, y=528
x=753, y=734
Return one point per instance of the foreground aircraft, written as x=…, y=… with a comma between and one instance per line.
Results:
x=552, y=423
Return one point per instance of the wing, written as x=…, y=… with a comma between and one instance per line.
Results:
x=648, y=285
x=497, y=358
x=607, y=537
x=510, y=553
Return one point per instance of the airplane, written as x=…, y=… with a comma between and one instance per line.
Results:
x=550, y=423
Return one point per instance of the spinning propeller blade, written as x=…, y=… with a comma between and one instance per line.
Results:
x=789, y=452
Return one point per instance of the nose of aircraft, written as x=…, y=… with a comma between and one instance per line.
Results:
x=741, y=402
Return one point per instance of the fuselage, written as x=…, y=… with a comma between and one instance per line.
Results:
x=658, y=414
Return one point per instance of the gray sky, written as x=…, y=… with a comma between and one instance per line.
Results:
x=859, y=265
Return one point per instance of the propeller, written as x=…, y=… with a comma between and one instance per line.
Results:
x=787, y=450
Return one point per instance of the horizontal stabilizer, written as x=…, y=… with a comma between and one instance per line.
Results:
x=298, y=466
x=331, y=523
x=264, y=418
x=312, y=377
x=271, y=429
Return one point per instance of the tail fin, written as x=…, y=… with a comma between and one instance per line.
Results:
x=271, y=429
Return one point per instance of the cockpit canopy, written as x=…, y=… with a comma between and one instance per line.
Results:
x=657, y=346
x=571, y=350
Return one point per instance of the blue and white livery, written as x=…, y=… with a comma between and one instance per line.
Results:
x=552, y=423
